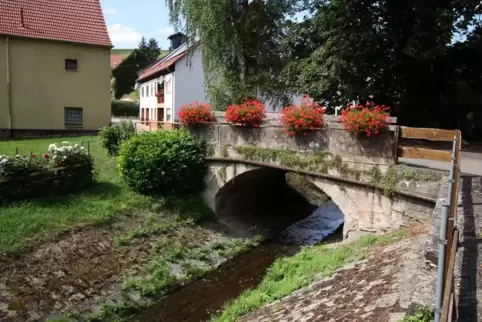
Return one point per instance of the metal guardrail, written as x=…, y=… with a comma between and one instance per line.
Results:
x=448, y=239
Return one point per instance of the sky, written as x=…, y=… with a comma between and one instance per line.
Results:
x=127, y=21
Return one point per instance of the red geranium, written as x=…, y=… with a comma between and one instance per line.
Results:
x=368, y=119
x=248, y=113
x=304, y=118
x=195, y=113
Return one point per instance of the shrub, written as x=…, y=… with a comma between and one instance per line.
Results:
x=248, y=113
x=66, y=168
x=124, y=108
x=111, y=137
x=167, y=163
x=368, y=119
x=195, y=113
x=304, y=118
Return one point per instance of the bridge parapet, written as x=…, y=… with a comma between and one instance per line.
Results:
x=357, y=152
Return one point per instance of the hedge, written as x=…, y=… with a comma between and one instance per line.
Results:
x=124, y=108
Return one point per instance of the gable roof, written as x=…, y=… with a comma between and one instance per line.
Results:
x=77, y=21
x=164, y=62
x=115, y=60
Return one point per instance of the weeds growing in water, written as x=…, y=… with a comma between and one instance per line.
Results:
x=191, y=270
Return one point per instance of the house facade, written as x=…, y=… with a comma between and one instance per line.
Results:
x=173, y=81
x=54, y=67
x=170, y=83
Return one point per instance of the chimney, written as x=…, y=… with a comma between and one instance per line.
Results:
x=176, y=40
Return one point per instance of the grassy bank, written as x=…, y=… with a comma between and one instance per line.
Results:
x=105, y=200
x=292, y=273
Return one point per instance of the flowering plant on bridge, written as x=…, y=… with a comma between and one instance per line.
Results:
x=249, y=113
x=368, y=119
x=304, y=118
x=195, y=113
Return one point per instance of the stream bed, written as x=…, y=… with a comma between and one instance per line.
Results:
x=198, y=301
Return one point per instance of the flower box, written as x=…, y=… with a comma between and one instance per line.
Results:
x=249, y=113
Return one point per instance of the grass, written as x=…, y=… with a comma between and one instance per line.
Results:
x=423, y=314
x=289, y=274
x=127, y=52
x=107, y=199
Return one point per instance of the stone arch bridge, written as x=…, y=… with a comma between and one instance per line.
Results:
x=366, y=208
x=248, y=164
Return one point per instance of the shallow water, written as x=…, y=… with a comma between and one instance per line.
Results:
x=201, y=299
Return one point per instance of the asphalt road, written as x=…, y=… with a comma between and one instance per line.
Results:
x=471, y=163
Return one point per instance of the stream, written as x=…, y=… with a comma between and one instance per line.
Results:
x=198, y=301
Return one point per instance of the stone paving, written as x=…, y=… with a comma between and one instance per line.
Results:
x=372, y=290
x=468, y=264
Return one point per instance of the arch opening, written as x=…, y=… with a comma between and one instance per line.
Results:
x=279, y=205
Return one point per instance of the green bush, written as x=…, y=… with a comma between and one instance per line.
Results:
x=111, y=137
x=124, y=108
x=167, y=163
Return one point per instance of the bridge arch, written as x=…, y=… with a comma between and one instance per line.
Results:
x=366, y=210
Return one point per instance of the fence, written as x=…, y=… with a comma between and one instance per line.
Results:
x=444, y=297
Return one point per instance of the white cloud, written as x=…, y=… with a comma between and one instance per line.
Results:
x=123, y=37
x=110, y=11
x=166, y=30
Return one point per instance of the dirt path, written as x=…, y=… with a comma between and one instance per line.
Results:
x=371, y=290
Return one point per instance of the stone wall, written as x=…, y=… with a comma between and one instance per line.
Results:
x=360, y=152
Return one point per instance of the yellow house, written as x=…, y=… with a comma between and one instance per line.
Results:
x=54, y=67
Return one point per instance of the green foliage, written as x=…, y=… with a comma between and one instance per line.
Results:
x=317, y=161
x=189, y=208
x=111, y=137
x=411, y=58
x=124, y=108
x=158, y=275
x=192, y=271
x=164, y=163
x=106, y=199
x=241, y=48
x=424, y=314
x=125, y=73
x=289, y=274
x=149, y=49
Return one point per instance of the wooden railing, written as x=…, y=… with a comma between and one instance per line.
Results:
x=450, y=237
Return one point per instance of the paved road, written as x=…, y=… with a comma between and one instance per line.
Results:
x=471, y=163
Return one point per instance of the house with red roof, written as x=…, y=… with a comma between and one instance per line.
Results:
x=54, y=67
x=171, y=82
x=115, y=60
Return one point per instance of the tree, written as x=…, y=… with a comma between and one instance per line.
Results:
x=398, y=51
x=143, y=46
x=153, y=50
x=125, y=73
x=242, y=46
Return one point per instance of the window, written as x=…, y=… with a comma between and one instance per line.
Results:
x=71, y=64
x=147, y=90
x=73, y=116
x=142, y=91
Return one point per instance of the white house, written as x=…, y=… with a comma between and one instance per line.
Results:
x=171, y=82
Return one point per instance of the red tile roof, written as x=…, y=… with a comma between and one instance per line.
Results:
x=115, y=60
x=159, y=66
x=79, y=21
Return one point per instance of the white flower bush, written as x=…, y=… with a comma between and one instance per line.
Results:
x=67, y=154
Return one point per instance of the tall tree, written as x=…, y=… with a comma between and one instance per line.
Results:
x=153, y=49
x=143, y=47
x=242, y=47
